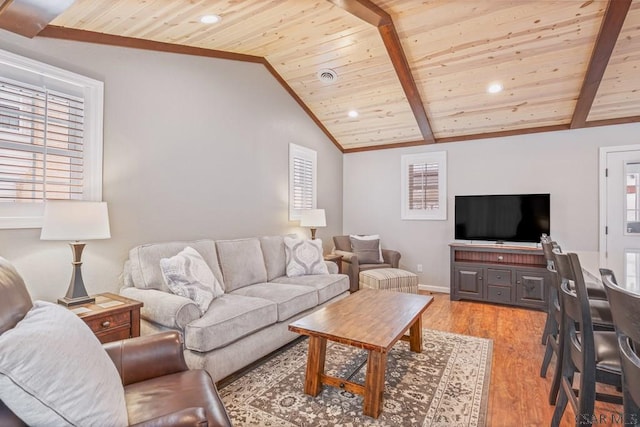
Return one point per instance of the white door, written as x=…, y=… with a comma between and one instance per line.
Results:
x=620, y=209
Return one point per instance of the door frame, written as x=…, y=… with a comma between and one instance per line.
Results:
x=604, y=151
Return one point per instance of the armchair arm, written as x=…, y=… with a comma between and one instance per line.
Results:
x=142, y=358
x=183, y=418
x=170, y=310
x=349, y=257
x=352, y=270
x=391, y=257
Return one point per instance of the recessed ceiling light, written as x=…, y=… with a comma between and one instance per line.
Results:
x=210, y=19
x=494, y=88
x=353, y=114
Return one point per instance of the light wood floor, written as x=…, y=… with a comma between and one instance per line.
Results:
x=518, y=396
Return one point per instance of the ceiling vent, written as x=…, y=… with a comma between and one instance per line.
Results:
x=327, y=75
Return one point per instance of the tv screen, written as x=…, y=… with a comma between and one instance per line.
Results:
x=507, y=217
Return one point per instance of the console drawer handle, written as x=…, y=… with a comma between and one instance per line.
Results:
x=499, y=277
x=106, y=324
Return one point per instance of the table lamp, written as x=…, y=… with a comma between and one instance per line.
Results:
x=313, y=218
x=75, y=221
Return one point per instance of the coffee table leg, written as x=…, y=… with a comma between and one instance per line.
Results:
x=415, y=335
x=374, y=384
x=315, y=365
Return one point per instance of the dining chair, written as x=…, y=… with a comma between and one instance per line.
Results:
x=599, y=310
x=625, y=306
x=591, y=354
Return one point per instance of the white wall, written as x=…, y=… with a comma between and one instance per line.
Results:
x=193, y=148
x=564, y=164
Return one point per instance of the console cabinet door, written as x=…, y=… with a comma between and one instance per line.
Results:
x=468, y=282
x=531, y=288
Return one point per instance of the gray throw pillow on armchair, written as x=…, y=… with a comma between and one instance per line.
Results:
x=367, y=251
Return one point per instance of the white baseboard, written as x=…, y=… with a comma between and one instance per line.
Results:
x=430, y=288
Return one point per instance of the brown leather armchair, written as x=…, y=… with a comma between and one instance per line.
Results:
x=352, y=267
x=159, y=388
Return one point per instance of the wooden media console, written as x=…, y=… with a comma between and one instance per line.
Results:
x=513, y=275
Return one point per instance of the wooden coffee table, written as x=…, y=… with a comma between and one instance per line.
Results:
x=373, y=320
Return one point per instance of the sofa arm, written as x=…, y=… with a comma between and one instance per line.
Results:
x=170, y=310
x=391, y=257
x=151, y=356
x=332, y=267
x=184, y=418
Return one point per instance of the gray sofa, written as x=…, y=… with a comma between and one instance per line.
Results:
x=246, y=323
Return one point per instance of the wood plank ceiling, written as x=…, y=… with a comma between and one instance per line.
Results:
x=416, y=72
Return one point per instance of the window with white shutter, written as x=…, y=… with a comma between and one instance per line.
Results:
x=302, y=180
x=424, y=186
x=50, y=139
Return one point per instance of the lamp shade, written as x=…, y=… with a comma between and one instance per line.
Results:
x=313, y=218
x=75, y=220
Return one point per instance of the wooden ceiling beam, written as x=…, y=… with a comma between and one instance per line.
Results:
x=64, y=33
x=29, y=17
x=374, y=15
x=609, y=31
x=461, y=138
x=301, y=103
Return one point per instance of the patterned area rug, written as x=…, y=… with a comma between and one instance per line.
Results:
x=445, y=385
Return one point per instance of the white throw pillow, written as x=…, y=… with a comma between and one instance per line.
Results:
x=188, y=275
x=304, y=257
x=54, y=372
x=370, y=237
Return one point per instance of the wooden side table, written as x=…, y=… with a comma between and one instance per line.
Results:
x=111, y=317
x=335, y=258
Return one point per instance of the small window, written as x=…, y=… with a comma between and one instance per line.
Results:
x=50, y=139
x=302, y=180
x=424, y=186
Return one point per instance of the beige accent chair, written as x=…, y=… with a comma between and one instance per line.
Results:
x=352, y=267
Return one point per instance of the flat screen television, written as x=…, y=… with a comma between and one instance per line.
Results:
x=503, y=217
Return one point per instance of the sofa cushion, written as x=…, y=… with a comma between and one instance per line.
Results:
x=229, y=318
x=290, y=299
x=274, y=256
x=54, y=371
x=327, y=285
x=145, y=262
x=188, y=275
x=304, y=257
x=241, y=262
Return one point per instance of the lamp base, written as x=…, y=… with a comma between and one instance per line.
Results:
x=77, y=293
x=68, y=302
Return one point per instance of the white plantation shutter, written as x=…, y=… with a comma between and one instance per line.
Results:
x=41, y=144
x=424, y=186
x=50, y=139
x=302, y=180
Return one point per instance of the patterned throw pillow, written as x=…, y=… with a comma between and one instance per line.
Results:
x=188, y=275
x=367, y=250
x=304, y=257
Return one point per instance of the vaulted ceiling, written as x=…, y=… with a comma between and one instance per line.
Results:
x=416, y=72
